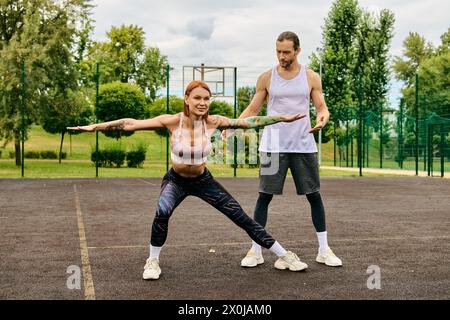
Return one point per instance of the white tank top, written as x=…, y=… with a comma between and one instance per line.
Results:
x=288, y=97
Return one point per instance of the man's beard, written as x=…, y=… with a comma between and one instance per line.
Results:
x=286, y=64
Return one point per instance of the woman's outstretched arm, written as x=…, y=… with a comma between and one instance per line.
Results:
x=255, y=122
x=127, y=124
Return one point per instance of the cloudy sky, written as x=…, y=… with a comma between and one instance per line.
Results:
x=242, y=33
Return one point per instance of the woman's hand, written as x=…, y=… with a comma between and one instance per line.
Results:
x=292, y=117
x=89, y=128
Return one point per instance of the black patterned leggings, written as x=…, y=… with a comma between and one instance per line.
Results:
x=175, y=189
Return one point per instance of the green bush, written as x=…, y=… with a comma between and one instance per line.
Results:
x=117, y=157
x=40, y=155
x=222, y=108
x=48, y=155
x=399, y=158
x=109, y=157
x=119, y=100
x=136, y=158
x=101, y=157
x=32, y=155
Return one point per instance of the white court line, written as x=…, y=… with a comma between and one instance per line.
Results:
x=89, y=292
x=150, y=183
x=222, y=244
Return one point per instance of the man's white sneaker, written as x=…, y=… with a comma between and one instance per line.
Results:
x=329, y=258
x=151, y=269
x=290, y=261
x=252, y=259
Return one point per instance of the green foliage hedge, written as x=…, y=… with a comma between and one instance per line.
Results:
x=114, y=157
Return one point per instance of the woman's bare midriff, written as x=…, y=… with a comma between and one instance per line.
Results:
x=187, y=170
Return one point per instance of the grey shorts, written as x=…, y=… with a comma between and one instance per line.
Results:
x=304, y=169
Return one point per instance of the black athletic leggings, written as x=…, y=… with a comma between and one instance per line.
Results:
x=175, y=189
x=314, y=199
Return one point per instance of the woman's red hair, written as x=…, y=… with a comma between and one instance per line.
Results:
x=191, y=86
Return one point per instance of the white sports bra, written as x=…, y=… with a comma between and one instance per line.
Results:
x=182, y=150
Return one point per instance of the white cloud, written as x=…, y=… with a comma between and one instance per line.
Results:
x=200, y=28
x=242, y=33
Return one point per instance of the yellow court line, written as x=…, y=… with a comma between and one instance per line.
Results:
x=89, y=292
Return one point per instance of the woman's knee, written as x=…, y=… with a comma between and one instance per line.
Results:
x=164, y=210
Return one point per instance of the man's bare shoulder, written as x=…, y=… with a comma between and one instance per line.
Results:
x=313, y=77
x=311, y=73
x=264, y=79
x=266, y=74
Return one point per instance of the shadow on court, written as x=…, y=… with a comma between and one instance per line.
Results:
x=52, y=228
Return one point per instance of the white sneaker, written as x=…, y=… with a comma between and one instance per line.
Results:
x=329, y=258
x=151, y=269
x=290, y=261
x=252, y=259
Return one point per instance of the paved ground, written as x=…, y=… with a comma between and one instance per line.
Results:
x=102, y=228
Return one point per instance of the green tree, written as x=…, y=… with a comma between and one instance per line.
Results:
x=435, y=84
x=68, y=109
x=40, y=34
x=432, y=66
x=355, y=43
x=125, y=47
x=416, y=50
x=159, y=106
x=83, y=45
x=434, y=79
x=151, y=74
x=222, y=108
x=337, y=58
x=338, y=54
x=372, y=61
x=120, y=100
x=445, y=42
x=245, y=96
x=125, y=58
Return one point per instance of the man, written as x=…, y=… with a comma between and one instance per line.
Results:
x=289, y=87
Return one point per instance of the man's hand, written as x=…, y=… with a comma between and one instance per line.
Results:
x=319, y=125
x=89, y=128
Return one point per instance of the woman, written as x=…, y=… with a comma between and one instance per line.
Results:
x=190, y=133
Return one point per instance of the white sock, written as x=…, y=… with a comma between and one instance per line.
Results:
x=256, y=248
x=278, y=249
x=323, y=241
x=154, y=252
